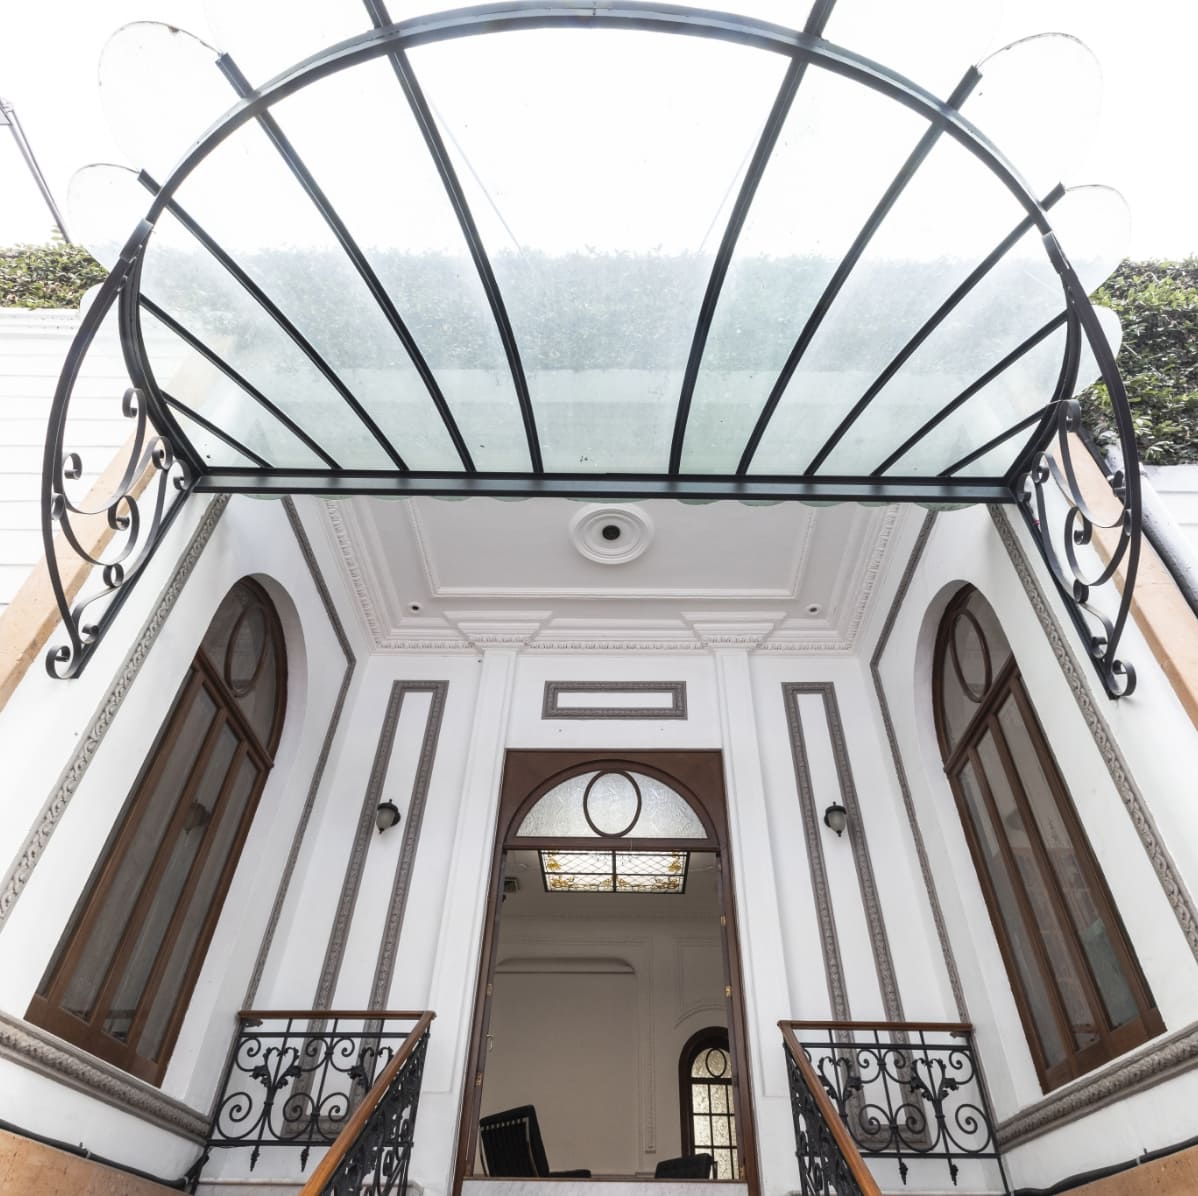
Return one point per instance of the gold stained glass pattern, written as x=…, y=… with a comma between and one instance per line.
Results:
x=614, y=871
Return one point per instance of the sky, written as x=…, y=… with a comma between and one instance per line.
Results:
x=1142, y=146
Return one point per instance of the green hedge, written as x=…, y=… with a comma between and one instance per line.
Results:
x=564, y=299
x=1157, y=304
x=47, y=275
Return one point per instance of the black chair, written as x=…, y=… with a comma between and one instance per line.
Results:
x=512, y=1146
x=690, y=1166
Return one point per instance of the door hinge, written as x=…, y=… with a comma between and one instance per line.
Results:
x=490, y=990
x=478, y=1080
x=723, y=920
x=728, y=991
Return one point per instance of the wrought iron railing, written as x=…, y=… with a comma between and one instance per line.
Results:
x=830, y=1163
x=299, y=1078
x=372, y=1153
x=903, y=1090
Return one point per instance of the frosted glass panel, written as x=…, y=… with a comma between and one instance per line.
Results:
x=612, y=803
x=601, y=166
x=604, y=260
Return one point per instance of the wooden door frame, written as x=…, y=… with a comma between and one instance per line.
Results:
x=527, y=775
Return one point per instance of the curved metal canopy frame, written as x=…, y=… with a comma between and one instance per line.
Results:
x=163, y=461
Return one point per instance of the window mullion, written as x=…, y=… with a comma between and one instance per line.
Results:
x=149, y=888
x=1089, y=866
x=1080, y=963
x=1032, y=927
x=230, y=703
x=219, y=809
x=80, y=937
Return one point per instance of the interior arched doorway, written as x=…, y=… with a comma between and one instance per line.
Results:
x=627, y=822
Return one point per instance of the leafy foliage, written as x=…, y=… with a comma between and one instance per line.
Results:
x=55, y=275
x=1157, y=303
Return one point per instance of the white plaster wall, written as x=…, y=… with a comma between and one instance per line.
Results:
x=493, y=703
x=667, y=974
x=41, y=726
x=1161, y=748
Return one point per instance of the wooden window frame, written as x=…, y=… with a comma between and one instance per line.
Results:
x=1006, y=684
x=204, y=677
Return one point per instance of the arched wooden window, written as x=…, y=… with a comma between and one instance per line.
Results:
x=1081, y=994
x=705, y=1099
x=122, y=976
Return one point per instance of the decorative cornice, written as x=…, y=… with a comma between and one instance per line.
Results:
x=353, y=569
x=424, y=636
x=21, y=869
x=1176, y=893
x=34, y=1048
x=873, y=571
x=1152, y=1064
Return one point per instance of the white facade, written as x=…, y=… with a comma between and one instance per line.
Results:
x=492, y=630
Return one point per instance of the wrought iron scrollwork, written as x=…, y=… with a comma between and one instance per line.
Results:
x=824, y=1170
x=96, y=545
x=1064, y=517
x=295, y=1082
x=905, y=1094
x=377, y=1163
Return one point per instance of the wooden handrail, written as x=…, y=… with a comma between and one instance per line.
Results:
x=832, y=1119
x=314, y=1015
x=354, y=1126
x=937, y=1027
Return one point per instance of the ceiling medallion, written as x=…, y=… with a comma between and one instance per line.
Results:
x=611, y=535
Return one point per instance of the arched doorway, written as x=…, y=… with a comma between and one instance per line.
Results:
x=617, y=828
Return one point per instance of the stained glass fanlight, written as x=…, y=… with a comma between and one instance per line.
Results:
x=607, y=804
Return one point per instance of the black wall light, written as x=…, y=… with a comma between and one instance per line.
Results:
x=386, y=816
x=836, y=818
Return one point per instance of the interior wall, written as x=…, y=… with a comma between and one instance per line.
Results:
x=590, y=1015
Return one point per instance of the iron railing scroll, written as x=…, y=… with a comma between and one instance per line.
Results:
x=830, y=1164
x=1064, y=515
x=372, y=1154
x=301, y=1078
x=97, y=541
x=903, y=1090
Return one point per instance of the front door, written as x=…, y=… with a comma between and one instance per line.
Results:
x=610, y=932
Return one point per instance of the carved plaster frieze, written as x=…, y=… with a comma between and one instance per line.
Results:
x=1152, y=1064
x=838, y=996
x=34, y=1048
x=21, y=869
x=783, y=637
x=413, y=819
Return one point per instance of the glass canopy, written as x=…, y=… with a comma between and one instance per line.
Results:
x=607, y=249
x=629, y=249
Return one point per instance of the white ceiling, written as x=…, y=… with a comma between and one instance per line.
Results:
x=430, y=574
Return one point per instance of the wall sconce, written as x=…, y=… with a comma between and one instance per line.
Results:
x=386, y=816
x=836, y=818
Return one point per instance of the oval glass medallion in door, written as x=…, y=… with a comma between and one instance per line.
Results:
x=612, y=834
